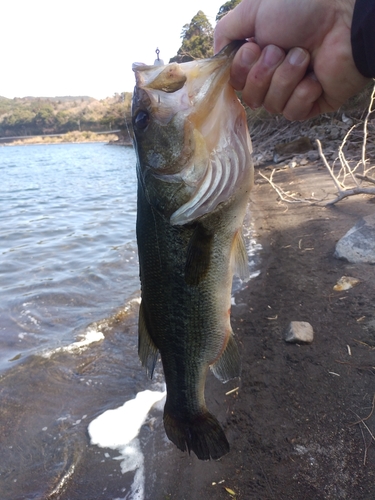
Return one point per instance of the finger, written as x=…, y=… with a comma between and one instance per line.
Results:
x=244, y=60
x=260, y=76
x=305, y=101
x=238, y=24
x=285, y=79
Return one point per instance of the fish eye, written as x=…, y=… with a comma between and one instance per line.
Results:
x=142, y=119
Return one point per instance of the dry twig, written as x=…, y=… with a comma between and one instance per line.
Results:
x=348, y=178
x=362, y=421
x=369, y=415
x=284, y=195
x=343, y=186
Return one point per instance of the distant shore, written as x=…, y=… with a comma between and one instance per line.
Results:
x=69, y=137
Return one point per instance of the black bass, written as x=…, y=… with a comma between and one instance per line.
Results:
x=194, y=178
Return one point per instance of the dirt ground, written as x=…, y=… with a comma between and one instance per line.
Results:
x=301, y=425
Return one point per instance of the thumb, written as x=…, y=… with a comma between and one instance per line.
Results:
x=238, y=24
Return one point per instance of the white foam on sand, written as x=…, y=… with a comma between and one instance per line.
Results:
x=94, y=332
x=92, y=335
x=118, y=429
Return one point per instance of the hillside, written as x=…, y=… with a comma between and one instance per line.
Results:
x=58, y=115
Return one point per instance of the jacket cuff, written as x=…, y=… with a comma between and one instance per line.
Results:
x=363, y=37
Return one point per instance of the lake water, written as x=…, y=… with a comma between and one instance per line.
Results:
x=66, y=241
x=69, y=295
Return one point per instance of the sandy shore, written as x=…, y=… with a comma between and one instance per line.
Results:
x=294, y=424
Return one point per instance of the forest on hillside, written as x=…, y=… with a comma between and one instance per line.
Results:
x=59, y=115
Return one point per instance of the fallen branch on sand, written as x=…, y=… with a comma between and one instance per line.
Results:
x=284, y=195
x=349, y=176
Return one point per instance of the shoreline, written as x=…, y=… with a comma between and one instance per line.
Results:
x=68, y=138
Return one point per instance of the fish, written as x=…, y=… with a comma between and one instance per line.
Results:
x=195, y=173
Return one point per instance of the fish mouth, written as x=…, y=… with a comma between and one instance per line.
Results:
x=192, y=87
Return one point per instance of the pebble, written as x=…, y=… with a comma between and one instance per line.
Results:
x=313, y=156
x=299, y=331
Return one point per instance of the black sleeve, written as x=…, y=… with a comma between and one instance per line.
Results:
x=363, y=37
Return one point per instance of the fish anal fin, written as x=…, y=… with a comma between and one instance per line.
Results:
x=228, y=366
x=147, y=350
x=201, y=434
x=198, y=255
x=239, y=256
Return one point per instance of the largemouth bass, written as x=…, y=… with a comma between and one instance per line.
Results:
x=194, y=178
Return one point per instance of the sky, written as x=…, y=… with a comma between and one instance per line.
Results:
x=86, y=47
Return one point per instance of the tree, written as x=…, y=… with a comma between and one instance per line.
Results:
x=197, y=40
x=225, y=8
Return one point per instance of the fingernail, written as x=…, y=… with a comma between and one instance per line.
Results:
x=272, y=55
x=297, y=56
x=248, y=57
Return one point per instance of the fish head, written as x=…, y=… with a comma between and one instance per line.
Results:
x=158, y=124
x=183, y=116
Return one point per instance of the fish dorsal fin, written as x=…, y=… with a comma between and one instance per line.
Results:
x=226, y=171
x=228, y=366
x=147, y=350
x=240, y=264
x=198, y=255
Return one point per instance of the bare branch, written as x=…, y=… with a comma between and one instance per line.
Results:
x=348, y=174
x=326, y=164
x=284, y=196
x=366, y=178
x=351, y=192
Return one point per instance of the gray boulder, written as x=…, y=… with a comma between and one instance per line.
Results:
x=358, y=244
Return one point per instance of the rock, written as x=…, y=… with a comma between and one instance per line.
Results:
x=346, y=283
x=299, y=331
x=290, y=149
x=358, y=244
x=313, y=155
x=335, y=133
x=348, y=121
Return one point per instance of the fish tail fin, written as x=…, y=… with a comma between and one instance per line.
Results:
x=202, y=434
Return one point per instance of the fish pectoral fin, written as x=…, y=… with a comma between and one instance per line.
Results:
x=198, y=255
x=240, y=257
x=228, y=366
x=147, y=350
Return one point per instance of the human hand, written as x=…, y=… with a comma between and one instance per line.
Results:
x=298, y=60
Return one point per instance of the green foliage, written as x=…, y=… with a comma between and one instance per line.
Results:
x=197, y=40
x=39, y=116
x=197, y=37
x=225, y=8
